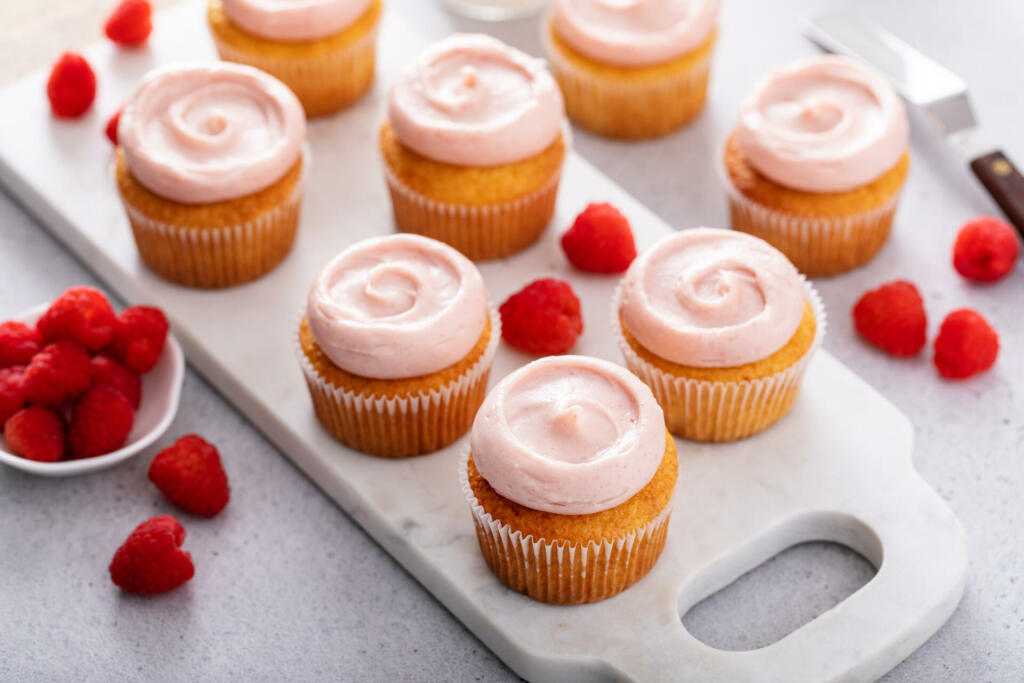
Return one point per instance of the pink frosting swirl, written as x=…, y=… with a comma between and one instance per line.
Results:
x=200, y=133
x=397, y=306
x=471, y=100
x=294, y=21
x=712, y=298
x=825, y=124
x=634, y=32
x=570, y=435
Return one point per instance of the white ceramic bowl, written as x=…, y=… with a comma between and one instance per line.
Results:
x=161, y=389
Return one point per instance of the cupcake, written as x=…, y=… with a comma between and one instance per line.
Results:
x=569, y=478
x=396, y=345
x=322, y=49
x=721, y=327
x=473, y=146
x=210, y=169
x=632, y=69
x=817, y=162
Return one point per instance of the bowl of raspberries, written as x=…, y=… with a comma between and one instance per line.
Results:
x=83, y=387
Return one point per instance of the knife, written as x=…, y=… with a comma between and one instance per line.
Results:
x=935, y=89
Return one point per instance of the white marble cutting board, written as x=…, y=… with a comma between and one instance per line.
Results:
x=837, y=468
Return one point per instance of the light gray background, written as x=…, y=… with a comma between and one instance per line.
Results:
x=287, y=587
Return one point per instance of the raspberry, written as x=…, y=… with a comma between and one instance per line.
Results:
x=81, y=314
x=12, y=391
x=189, y=473
x=151, y=560
x=600, y=240
x=966, y=345
x=892, y=318
x=107, y=372
x=18, y=343
x=100, y=423
x=130, y=23
x=60, y=372
x=71, y=86
x=36, y=433
x=986, y=249
x=140, y=334
x=111, y=129
x=544, y=317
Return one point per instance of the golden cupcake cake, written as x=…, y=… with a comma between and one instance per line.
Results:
x=817, y=163
x=210, y=170
x=473, y=146
x=324, y=50
x=721, y=327
x=396, y=345
x=634, y=69
x=570, y=477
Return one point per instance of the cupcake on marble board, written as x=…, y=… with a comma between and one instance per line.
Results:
x=817, y=163
x=721, y=327
x=473, y=146
x=324, y=50
x=569, y=477
x=210, y=169
x=634, y=69
x=396, y=345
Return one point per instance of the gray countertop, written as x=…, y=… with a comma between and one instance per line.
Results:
x=290, y=588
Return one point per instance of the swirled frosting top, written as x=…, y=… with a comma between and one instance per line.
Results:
x=825, y=124
x=397, y=306
x=471, y=100
x=634, y=32
x=200, y=133
x=569, y=434
x=712, y=298
x=294, y=20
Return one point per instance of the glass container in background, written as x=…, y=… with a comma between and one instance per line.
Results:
x=496, y=10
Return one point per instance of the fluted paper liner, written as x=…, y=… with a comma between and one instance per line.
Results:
x=561, y=572
x=703, y=410
x=401, y=426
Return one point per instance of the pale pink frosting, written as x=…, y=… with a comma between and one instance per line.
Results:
x=570, y=435
x=471, y=100
x=634, y=32
x=294, y=21
x=712, y=298
x=825, y=124
x=397, y=306
x=200, y=133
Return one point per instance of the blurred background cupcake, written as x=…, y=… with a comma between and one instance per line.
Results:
x=324, y=50
x=570, y=478
x=473, y=146
x=210, y=169
x=632, y=69
x=721, y=327
x=817, y=163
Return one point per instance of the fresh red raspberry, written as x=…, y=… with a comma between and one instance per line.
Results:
x=60, y=372
x=12, y=391
x=141, y=332
x=130, y=23
x=71, y=86
x=36, y=433
x=966, y=345
x=18, y=343
x=81, y=314
x=111, y=129
x=151, y=560
x=986, y=249
x=544, y=317
x=100, y=423
x=107, y=372
x=600, y=240
x=189, y=473
x=892, y=318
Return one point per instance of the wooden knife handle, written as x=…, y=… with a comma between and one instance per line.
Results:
x=1005, y=183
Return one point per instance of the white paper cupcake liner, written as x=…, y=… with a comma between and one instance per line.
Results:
x=400, y=426
x=561, y=572
x=703, y=410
